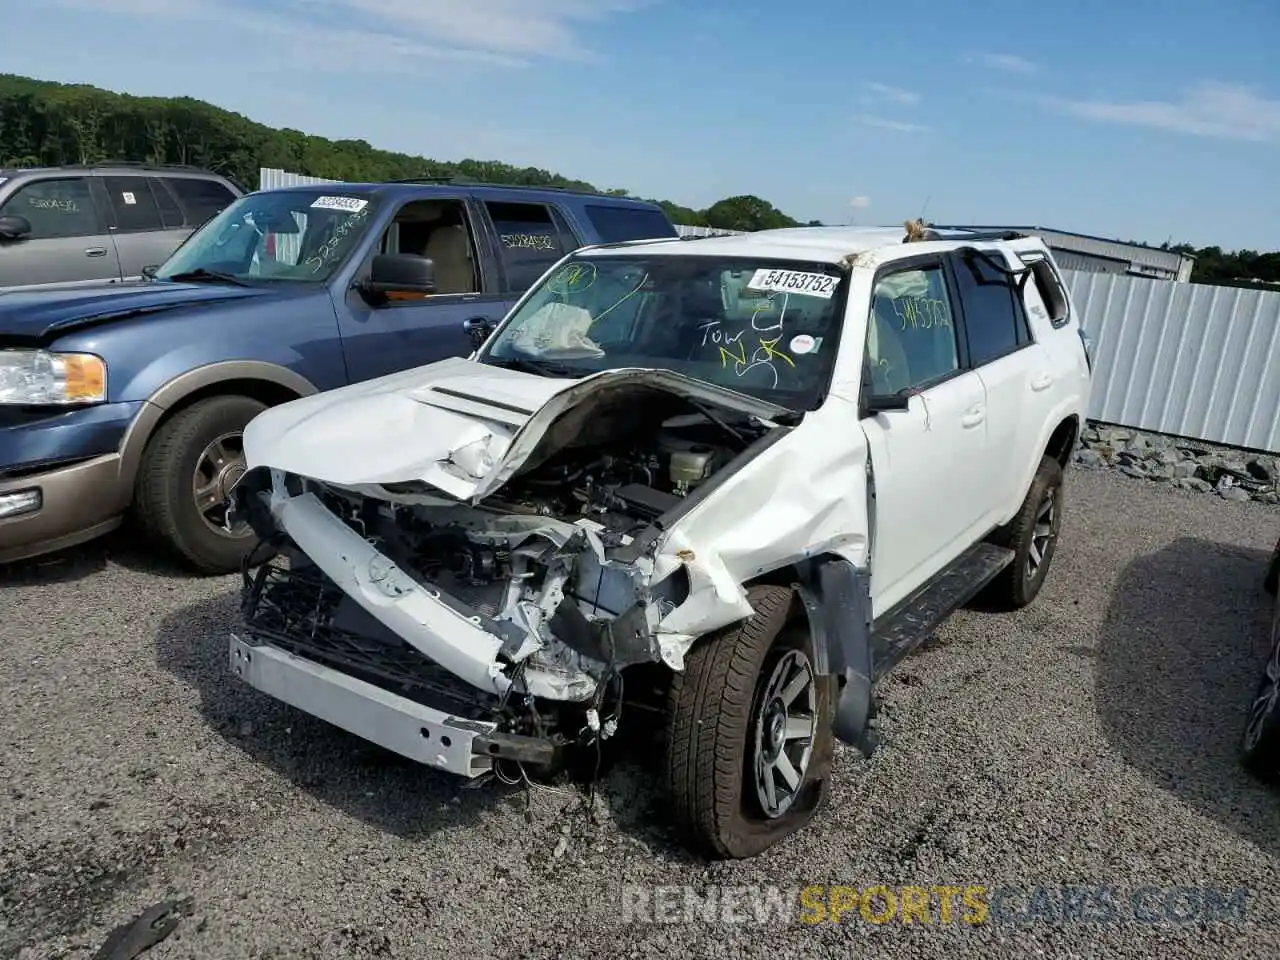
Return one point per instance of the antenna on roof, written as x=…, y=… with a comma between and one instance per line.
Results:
x=925, y=207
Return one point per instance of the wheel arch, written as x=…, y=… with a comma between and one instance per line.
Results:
x=268, y=383
x=835, y=597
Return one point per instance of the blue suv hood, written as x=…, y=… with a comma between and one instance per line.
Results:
x=37, y=316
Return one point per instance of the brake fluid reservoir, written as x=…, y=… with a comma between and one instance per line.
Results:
x=689, y=466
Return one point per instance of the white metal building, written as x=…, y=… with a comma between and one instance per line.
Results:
x=1079, y=251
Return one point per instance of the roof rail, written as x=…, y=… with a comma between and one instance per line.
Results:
x=449, y=179
x=463, y=182
x=138, y=164
x=966, y=233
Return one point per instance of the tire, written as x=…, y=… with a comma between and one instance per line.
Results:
x=164, y=497
x=1018, y=584
x=1271, y=580
x=1260, y=745
x=714, y=706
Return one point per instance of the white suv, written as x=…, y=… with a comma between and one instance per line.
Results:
x=727, y=482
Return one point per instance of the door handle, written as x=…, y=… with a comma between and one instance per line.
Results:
x=96, y=252
x=973, y=418
x=1043, y=382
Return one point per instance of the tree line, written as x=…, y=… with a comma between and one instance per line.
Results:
x=43, y=123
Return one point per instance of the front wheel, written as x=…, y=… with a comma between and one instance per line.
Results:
x=187, y=471
x=749, y=732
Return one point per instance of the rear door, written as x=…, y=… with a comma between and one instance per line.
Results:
x=1016, y=371
x=527, y=238
x=146, y=231
x=69, y=240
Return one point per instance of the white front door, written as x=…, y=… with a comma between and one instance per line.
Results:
x=930, y=459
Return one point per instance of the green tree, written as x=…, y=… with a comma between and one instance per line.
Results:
x=746, y=212
x=53, y=123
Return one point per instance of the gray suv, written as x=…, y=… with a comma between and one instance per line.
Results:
x=92, y=224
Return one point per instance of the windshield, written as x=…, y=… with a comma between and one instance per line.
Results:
x=281, y=235
x=768, y=328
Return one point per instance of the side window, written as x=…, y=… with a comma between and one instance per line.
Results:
x=1049, y=286
x=55, y=208
x=617, y=224
x=199, y=197
x=911, y=334
x=528, y=239
x=170, y=212
x=134, y=206
x=993, y=316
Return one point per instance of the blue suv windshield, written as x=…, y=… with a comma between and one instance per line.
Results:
x=763, y=327
x=283, y=235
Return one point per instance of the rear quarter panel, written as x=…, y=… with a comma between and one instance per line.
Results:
x=1070, y=394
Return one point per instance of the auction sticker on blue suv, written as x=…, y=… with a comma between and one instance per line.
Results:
x=348, y=204
x=795, y=281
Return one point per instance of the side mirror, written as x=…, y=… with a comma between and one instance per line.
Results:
x=478, y=328
x=392, y=273
x=14, y=227
x=150, y=271
x=886, y=403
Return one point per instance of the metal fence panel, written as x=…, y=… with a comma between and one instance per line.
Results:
x=1187, y=359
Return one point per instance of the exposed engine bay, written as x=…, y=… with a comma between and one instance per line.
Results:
x=550, y=572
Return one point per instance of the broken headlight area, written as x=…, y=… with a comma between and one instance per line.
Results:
x=523, y=610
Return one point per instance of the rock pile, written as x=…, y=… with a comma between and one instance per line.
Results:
x=1190, y=464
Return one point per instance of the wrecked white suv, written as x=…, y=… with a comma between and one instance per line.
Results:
x=708, y=488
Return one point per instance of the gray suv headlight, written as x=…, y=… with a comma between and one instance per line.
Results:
x=40, y=378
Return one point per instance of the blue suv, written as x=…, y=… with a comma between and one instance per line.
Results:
x=131, y=398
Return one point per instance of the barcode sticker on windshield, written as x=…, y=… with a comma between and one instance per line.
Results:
x=346, y=204
x=795, y=281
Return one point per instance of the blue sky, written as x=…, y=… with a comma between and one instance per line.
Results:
x=1134, y=119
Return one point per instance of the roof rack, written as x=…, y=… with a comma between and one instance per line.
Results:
x=449, y=179
x=136, y=164
x=931, y=233
x=462, y=182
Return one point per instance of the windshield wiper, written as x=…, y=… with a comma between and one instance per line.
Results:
x=543, y=368
x=201, y=275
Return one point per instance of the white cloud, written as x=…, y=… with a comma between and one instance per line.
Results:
x=886, y=123
x=1225, y=111
x=399, y=35
x=860, y=203
x=1008, y=62
x=884, y=92
x=891, y=99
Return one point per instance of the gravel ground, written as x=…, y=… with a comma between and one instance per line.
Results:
x=1089, y=739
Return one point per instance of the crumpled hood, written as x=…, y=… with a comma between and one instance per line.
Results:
x=39, y=315
x=461, y=426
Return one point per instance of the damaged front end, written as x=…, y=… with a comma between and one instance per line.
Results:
x=463, y=632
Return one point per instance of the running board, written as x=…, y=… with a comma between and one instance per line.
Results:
x=916, y=619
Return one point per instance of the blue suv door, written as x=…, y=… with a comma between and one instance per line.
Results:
x=530, y=236
x=406, y=332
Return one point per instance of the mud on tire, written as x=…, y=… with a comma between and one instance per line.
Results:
x=718, y=720
x=1033, y=537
